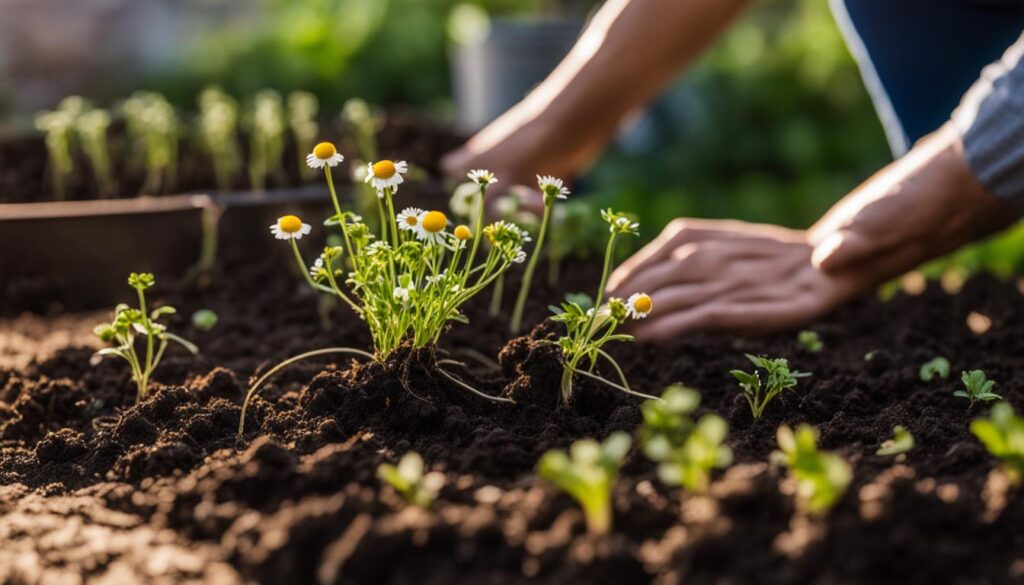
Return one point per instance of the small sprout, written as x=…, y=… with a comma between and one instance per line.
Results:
x=821, y=477
x=810, y=341
x=870, y=355
x=204, y=319
x=589, y=329
x=553, y=190
x=686, y=451
x=901, y=442
x=129, y=323
x=588, y=473
x=1003, y=435
x=408, y=479
x=779, y=378
x=977, y=387
x=59, y=128
x=936, y=367
x=155, y=130
x=218, y=130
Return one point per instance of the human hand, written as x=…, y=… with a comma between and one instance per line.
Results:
x=731, y=275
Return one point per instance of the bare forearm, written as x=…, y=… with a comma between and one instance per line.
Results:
x=629, y=52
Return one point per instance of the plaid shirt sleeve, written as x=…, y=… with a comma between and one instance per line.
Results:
x=990, y=120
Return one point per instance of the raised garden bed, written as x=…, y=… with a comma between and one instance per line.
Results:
x=95, y=486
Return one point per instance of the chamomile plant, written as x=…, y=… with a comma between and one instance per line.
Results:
x=217, y=125
x=588, y=473
x=408, y=282
x=409, y=480
x=553, y=190
x=155, y=131
x=1002, y=433
x=779, y=379
x=686, y=451
x=976, y=387
x=364, y=122
x=589, y=329
x=821, y=477
x=131, y=325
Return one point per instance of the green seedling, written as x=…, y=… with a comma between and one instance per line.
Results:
x=407, y=478
x=588, y=473
x=303, y=108
x=365, y=122
x=810, y=341
x=553, y=190
x=130, y=325
x=821, y=477
x=976, y=387
x=1002, y=433
x=901, y=442
x=686, y=452
x=155, y=130
x=588, y=330
x=204, y=319
x=92, y=127
x=266, y=138
x=779, y=379
x=936, y=367
x=574, y=231
x=218, y=130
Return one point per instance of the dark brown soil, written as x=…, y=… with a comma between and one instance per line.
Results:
x=23, y=164
x=92, y=485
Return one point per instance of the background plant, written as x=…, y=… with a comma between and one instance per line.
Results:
x=128, y=325
x=1002, y=433
x=407, y=478
x=266, y=138
x=588, y=473
x=303, y=108
x=59, y=127
x=810, y=341
x=217, y=125
x=976, y=387
x=821, y=478
x=779, y=378
x=91, y=127
x=155, y=130
x=686, y=451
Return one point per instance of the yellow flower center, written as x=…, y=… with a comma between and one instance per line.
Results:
x=324, y=150
x=289, y=224
x=384, y=169
x=462, y=232
x=434, y=222
x=411, y=220
x=643, y=304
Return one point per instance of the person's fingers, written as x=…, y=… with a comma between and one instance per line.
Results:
x=456, y=162
x=843, y=249
x=751, y=316
x=683, y=296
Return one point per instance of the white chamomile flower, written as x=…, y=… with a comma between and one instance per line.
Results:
x=432, y=228
x=317, y=267
x=465, y=200
x=552, y=187
x=520, y=256
x=324, y=154
x=639, y=305
x=411, y=219
x=386, y=174
x=376, y=248
x=438, y=278
x=482, y=177
x=401, y=293
x=290, y=227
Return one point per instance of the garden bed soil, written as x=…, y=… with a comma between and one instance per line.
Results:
x=93, y=486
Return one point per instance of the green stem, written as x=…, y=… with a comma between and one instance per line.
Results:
x=499, y=290
x=524, y=290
